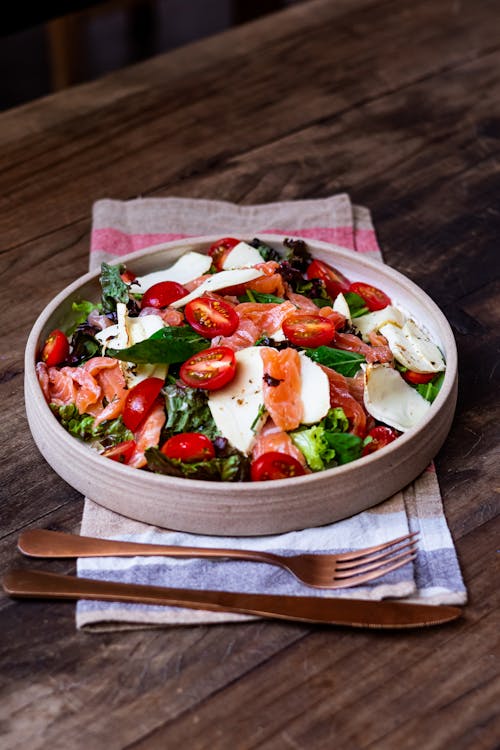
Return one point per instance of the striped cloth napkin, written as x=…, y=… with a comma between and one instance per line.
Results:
x=122, y=227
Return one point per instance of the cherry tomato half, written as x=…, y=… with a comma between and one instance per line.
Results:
x=56, y=348
x=163, y=294
x=308, y=329
x=211, y=317
x=220, y=250
x=374, y=298
x=381, y=436
x=334, y=280
x=189, y=447
x=122, y=452
x=416, y=378
x=275, y=465
x=209, y=369
x=139, y=401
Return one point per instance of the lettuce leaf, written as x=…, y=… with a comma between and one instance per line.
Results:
x=328, y=443
x=82, y=310
x=234, y=467
x=187, y=411
x=81, y=426
x=113, y=288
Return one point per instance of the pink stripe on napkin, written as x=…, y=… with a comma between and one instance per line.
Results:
x=119, y=243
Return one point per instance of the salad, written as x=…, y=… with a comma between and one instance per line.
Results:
x=246, y=363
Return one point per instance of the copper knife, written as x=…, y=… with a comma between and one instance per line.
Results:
x=332, y=611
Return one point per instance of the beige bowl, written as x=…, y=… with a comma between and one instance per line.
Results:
x=245, y=509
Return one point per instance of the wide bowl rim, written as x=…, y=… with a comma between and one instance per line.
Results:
x=243, y=488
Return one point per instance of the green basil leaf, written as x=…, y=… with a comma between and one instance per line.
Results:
x=251, y=296
x=347, y=363
x=168, y=345
x=357, y=305
x=430, y=390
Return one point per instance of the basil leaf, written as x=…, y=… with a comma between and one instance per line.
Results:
x=169, y=345
x=113, y=287
x=347, y=447
x=347, y=363
x=430, y=390
x=251, y=296
x=357, y=305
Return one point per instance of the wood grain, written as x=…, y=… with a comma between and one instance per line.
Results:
x=397, y=104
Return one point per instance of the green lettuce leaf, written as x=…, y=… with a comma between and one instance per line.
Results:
x=187, y=411
x=234, y=467
x=113, y=288
x=169, y=345
x=347, y=363
x=81, y=426
x=328, y=443
x=82, y=310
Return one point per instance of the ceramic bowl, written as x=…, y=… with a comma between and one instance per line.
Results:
x=253, y=508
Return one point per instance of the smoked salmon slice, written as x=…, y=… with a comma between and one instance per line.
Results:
x=272, y=438
x=341, y=396
x=148, y=434
x=349, y=342
x=282, y=387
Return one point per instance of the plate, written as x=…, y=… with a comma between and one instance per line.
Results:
x=245, y=509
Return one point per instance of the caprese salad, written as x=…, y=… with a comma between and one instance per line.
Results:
x=245, y=363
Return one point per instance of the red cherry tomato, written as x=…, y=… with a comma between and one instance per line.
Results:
x=220, y=250
x=275, y=465
x=335, y=281
x=122, y=452
x=308, y=329
x=139, y=401
x=55, y=349
x=163, y=294
x=211, y=317
x=209, y=369
x=416, y=378
x=381, y=436
x=189, y=447
x=374, y=298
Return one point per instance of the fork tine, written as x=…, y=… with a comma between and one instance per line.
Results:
x=406, y=555
x=357, y=580
x=368, y=550
x=347, y=564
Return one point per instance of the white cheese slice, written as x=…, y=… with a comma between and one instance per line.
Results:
x=375, y=320
x=314, y=390
x=412, y=348
x=340, y=305
x=128, y=331
x=218, y=281
x=242, y=255
x=189, y=266
x=236, y=407
x=391, y=400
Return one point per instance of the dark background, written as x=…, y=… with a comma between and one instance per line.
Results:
x=54, y=45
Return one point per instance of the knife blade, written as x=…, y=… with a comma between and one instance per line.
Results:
x=332, y=611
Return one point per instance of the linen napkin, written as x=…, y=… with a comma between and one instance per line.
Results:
x=122, y=227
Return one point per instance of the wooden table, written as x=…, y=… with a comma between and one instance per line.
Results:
x=396, y=103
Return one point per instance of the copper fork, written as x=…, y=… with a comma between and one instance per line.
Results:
x=325, y=571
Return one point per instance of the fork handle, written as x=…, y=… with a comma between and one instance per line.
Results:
x=46, y=543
